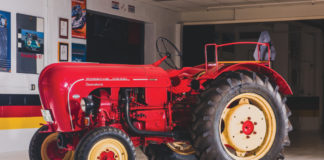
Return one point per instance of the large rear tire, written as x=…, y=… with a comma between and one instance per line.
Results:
x=240, y=116
x=105, y=143
x=43, y=146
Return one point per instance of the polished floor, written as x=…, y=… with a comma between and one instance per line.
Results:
x=304, y=146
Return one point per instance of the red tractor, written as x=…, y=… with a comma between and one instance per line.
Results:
x=217, y=110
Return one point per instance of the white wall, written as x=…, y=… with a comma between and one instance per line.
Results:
x=254, y=14
x=14, y=82
x=159, y=22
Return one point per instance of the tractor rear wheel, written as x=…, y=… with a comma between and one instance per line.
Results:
x=169, y=151
x=44, y=146
x=241, y=117
x=105, y=143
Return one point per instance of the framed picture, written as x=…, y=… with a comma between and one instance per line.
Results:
x=63, y=50
x=79, y=23
x=30, y=44
x=5, y=42
x=63, y=28
x=79, y=52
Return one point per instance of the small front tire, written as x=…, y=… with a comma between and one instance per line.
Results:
x=105, y=143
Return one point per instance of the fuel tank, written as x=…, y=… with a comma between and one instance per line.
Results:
x=63, y=85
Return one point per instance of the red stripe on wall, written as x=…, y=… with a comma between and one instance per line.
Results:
x=20, y=111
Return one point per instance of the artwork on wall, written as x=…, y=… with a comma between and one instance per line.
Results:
x=63, y=28
x=79, y=52
x=31, y=41
x=115, y=5
x=30, y=44
x=63, y=51
x=5, y=39
x=131, y=9
x=79, y=19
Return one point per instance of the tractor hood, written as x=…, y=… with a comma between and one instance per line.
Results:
x=62, y=85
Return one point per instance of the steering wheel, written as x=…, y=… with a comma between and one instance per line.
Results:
x=166, y=48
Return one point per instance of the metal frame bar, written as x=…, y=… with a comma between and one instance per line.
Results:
x=268, y=62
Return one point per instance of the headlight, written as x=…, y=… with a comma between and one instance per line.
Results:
x=83, y=105
x=47, y=115
x=86, y=105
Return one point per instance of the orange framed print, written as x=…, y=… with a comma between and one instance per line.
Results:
x=79, y=23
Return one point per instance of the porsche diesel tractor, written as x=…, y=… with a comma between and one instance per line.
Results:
x=217, y=110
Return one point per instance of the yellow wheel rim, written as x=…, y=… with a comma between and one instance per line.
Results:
x=108, y=147
x=247, y=127
x=49, y=149
x=182, y=148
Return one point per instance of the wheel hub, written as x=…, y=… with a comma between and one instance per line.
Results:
x=107, y=155
x=246, y=127
x=108, y=149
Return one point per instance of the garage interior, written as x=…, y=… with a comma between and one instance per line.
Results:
x=299, y=48
x=116, y=36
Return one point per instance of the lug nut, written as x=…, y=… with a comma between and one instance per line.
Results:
x=241, y=132
x=255, y=123
x=247, y=137
x=249, y=118
x=242, y=122
x=254, y=132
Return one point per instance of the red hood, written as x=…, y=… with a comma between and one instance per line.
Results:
x=59, y=82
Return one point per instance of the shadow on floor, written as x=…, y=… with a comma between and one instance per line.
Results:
x=306, y=145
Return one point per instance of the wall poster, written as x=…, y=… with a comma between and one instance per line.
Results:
x=79, y=52
x=63, y=52
x=64, y=28
x=30, y=44
x=5, y=39
x=79, y=19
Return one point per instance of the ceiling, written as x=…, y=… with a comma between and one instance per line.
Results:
x=193, y=5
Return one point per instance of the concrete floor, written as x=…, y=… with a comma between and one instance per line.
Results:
x=304, y=146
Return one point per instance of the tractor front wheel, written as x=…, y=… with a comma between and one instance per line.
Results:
x=241, y=117
x=105, y=143
x=44, y=146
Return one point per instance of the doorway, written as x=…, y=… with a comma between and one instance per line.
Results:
x=112, y=39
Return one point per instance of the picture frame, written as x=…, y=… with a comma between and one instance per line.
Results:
x=78, y=19
x=63, y=52
x=63, y=28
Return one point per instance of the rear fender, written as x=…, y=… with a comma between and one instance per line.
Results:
x=274, y=76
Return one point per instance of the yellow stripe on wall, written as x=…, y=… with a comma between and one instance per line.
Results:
x=21, y=122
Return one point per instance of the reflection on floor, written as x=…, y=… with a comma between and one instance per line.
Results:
x=304, y=146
